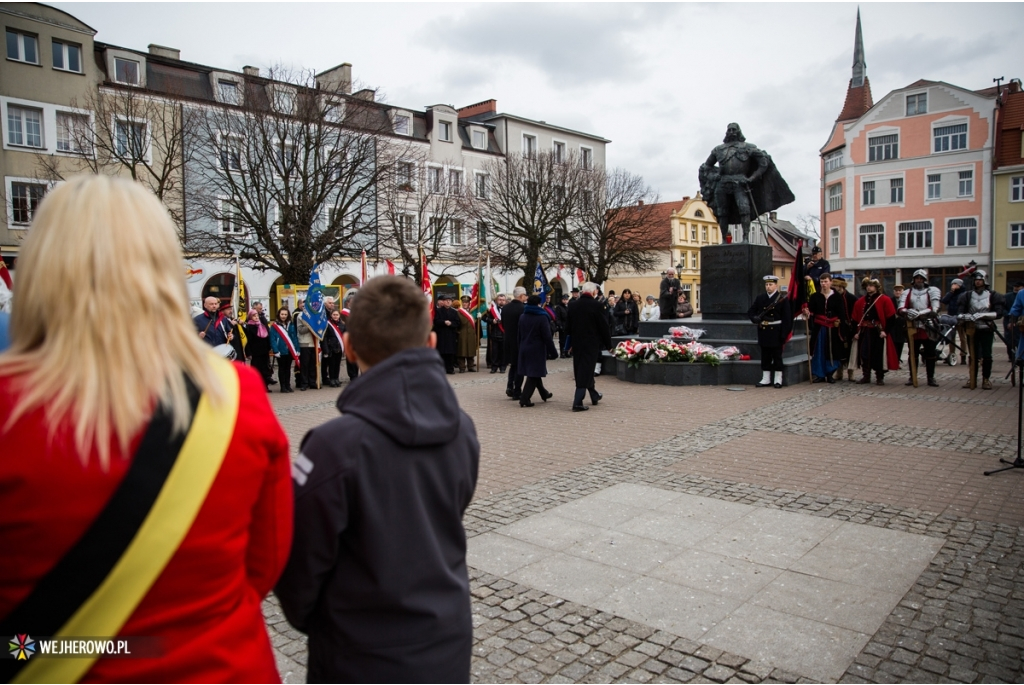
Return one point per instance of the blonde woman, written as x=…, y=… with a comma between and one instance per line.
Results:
x=144, y=481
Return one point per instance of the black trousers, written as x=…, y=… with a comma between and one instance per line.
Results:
x=515, y=382
x=925, y=348
x=333, y=366
x=261, y=362
x=284, y=372
x=872, y=352
x=771, y=359
x=495, y=353
x=306, y=376
x=351, y=369
x=449, y=361
x=529, y=385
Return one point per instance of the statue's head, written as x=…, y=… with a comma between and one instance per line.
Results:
x=733, y=132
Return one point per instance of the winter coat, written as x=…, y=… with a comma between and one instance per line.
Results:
x=331, y=345
x=536, y=345
x=377, y=574
x=469, y=339
x=510, y=319
x=626, y=315
x=494, y=330
x=278, y=345
x=768, y=309
x=303, y=330
x=447, y=335
x=952, y=300
x=650, y=312
x=561, y=317
x=588, y=328
x=215, y=327
x=669, y=290
x=684, y=310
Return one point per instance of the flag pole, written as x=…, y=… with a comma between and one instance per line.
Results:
x=480, y=295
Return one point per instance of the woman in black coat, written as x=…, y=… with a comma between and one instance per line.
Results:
x=536, y=346
x=669, y=292
x=257, y=344
x=627, y=314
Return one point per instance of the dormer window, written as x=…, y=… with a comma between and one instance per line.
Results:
x=444, y=131
x=480, y=140
x=228, y=92
x=284, y=101
x=403, y=124
x=126, y=71
x=917, y=104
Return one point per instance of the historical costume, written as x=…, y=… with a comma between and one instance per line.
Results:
x=469, y=339
x=921, y=308
x=979, y=308
x=828, y=318
x=898, y=326
x=873, y=315
x=847, y=328
x=771, y=313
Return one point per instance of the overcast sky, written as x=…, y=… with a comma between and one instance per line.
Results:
x=661, y=81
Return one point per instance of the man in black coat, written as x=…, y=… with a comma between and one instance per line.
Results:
x=495, y=334
x=377, y=571
x=561, y=324
x=815, y=266
x=446, y=326
x=668, y=294
x=510, y=319
x=588, y=335
x=771, y=313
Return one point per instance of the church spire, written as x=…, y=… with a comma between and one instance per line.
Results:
x=859, y=66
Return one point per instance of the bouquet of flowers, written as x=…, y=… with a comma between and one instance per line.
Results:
x=634, y=352
x=728, y=352
x=686, y=333
x=704, y=354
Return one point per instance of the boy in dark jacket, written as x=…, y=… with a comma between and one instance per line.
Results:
x=377, y=574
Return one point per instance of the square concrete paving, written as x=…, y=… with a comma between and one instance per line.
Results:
x=799, y=592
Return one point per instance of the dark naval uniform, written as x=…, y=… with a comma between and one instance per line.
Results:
x=774, y=322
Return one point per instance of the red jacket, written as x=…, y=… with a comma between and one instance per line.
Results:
x=206, y=604
x=886, y=312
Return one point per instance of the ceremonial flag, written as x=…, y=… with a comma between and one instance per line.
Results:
x=5, y=276
x=425, y=282
x=478, y=297
x=797, y=293
x=240, y=302
x=314, y=312
x=362, y=272
x=540, y=283
x=391, y=267
x=581, y=277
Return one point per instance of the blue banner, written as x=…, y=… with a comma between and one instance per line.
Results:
x=314, y=312
x=540, y=283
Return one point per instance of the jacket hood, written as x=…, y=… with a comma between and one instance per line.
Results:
x=406, y=396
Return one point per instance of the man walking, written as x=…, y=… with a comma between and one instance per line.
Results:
x=510, y=318
x=588, y=335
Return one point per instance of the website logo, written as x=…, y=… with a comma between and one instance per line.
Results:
x=23, y=647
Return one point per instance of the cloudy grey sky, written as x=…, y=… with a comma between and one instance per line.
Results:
x=660, y=80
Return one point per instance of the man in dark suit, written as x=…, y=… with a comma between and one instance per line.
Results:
x=510, y=319
x=588, y=336
x=446, y=326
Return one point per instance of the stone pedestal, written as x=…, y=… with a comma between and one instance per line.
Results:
x=731, y=276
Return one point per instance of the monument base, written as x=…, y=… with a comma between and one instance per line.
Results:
x=731, y=277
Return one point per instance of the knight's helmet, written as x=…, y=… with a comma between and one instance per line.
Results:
x=979, y=273
x=923, y=273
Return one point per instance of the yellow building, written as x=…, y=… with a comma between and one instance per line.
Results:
x=1008, y=186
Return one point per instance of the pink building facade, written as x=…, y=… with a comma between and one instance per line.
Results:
x=906, y=181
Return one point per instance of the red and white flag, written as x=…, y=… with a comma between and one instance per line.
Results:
x=391, y=267
x=580, y=276
x=425, y=283
x=362, y=273
x=5, y=276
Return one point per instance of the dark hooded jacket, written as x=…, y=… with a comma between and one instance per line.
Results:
x=535, y=343
x=377, y=573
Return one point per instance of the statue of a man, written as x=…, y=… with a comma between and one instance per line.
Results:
x=745, y=183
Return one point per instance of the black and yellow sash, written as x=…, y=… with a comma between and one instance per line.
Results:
x=94, y=589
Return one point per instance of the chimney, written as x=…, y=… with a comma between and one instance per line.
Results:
x=485, y=107
x=162, y=51
x=337, y=80
x=251, y=71
x=686, y=198
x=773, y=217
x=641, y=203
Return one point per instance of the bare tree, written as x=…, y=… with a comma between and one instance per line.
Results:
x=808, y=223
x=287, y=178
x=422, y=212
x=130, y=132
x=614, y=228
x=528, y=203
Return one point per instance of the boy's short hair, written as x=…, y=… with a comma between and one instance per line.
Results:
x=388, y=315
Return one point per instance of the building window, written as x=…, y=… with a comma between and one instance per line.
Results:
x=885, y=147
x=404, y=175
x=529, y=145
x=693, y=233
x=480, y=186
x=872, y=237
x=405, y=228
x=833, y=236
x=950, y=138
x=1017, y=189
x=455, y=182
x=444, y=131
x=230, y=153
x=434, y=181
x=402, y=124
x=285, y=159
x=917, y=104
x=130, y=139
x=934, y=186
x=869, y=192
x=833, y=161
x=22, y=47
x=25, y=199
x=586, y=157
x=704, y=234
x=229, y=219
x=693, y=260
x=24, y=126
x=455, y=232
x=835, y=197
x=558, y=152
x=480, y=140
x=966, y=187
x=896, y=191
x=915, y=235
x=73, y=133
x=1016, y=235
x=334, y=110
x=481, y=232
x=126, y=71
x=229, y=92
x=962, y=233
x=67, y=56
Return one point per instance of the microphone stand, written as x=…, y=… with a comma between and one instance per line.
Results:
x=1018, y=463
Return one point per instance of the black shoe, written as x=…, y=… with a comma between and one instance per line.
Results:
x=762, y=385
x=517, y=397
x=932, y=383
x=818, y=379
x=829, y=379
x=493, y=370
x=303, y=388
x=271, y=382
x=508, y=392
x=778, y=385
x=599, y=398
x=579, y=407
x=501, y=370
x=545, y=396
x=525, y=404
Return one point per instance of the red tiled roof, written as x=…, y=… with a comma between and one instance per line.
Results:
x=858, y=101
x=921, y=82
x=658, y=234
x=1011, y=130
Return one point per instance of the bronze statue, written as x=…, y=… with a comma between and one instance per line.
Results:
x=744, y=185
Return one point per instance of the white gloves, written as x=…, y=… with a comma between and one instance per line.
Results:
x=913, y=314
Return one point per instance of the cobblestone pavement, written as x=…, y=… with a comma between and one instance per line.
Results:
x=901, y=458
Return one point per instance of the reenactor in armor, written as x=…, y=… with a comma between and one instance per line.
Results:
x=920, y=307
x=978, y=309
x=774, y=320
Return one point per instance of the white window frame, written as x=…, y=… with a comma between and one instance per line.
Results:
x=833, y=235
x=474, y=132
x=49, y=124
x=1016, y=189
x=64, y=45
x=396, y=116
x=23, y=127
x=930, y=233
x=139, y=65
x=703, y=234
x=835, y=199
x=221, y=201
x=694, y=260
x=834, y=161
x=1018, y=228
x=406, y=228
x=9, y=182
x=529, y=145
x=481, y=177
x=444, y=131
x=411, y=181
x=559, y=151
x=897, y=189
x=277, y=221
x=147, y=155
x=975, y=228
x=225, y=139
x=586, y=157
x=865, y=190
x=436, y=230
x=89, y=133
x=21, y=46
x=879, y=133
x=456, y=179
x=281, y=96
x=238, y=97
x=864, y=237
x=453, y=239
x=279, y=156
x=435, y=179
x=961, y=181
x=945, y=123
x=930, y=185
x=481, y=232
x=916, y=95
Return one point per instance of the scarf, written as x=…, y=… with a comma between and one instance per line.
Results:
x=261, y=328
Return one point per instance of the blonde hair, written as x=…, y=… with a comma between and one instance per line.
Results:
x=101, y=329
